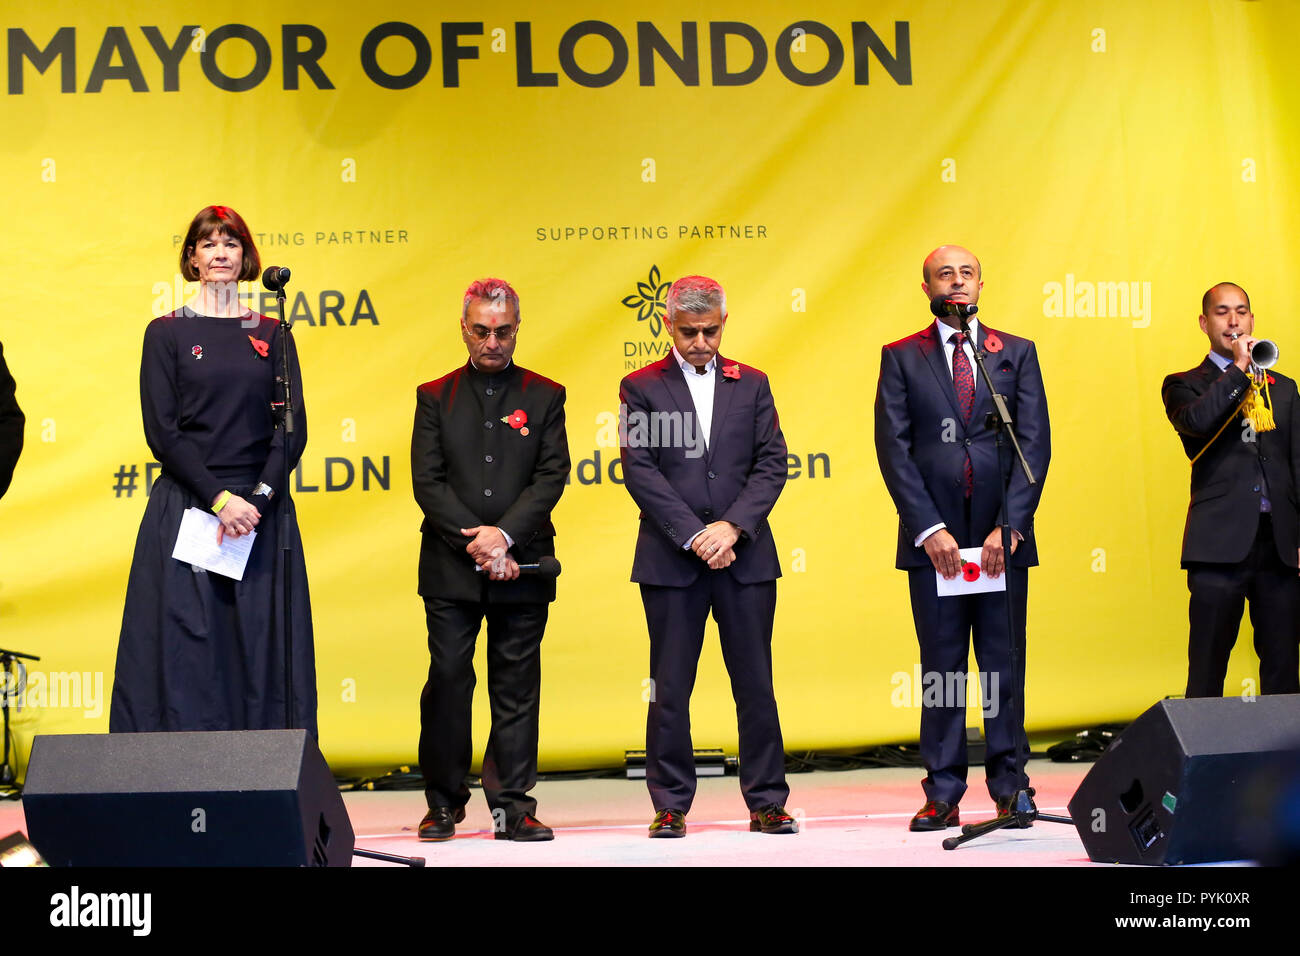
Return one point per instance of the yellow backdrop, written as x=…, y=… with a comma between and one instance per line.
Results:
x=1106, y=160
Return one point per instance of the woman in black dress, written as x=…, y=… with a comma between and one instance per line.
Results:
x=198, y=650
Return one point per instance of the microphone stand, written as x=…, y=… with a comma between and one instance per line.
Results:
x=284, y=412
x=1022, y=813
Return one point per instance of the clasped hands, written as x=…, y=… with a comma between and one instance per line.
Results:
x=237, y=517
x=715, y=544
x=946, y=556
x=491, y=552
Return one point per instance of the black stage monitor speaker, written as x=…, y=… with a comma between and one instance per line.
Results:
x=1182, y=784
x=218, y=798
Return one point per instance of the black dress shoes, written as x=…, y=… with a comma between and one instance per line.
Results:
x=525, y=829
x=772, y=819
x=669, y=823
x=439, y=824
x=935, y=815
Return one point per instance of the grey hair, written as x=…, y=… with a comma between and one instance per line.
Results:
x=696, y=295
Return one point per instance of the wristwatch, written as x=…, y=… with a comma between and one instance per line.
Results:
x=264, y=489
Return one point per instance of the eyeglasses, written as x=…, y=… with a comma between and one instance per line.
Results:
x=504, y=333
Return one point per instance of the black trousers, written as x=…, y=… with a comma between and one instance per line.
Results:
x=1218, y=592
x=675, y=618
x=944, y=629
x=514, y=634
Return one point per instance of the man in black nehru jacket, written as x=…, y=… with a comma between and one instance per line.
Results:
x=489, y=459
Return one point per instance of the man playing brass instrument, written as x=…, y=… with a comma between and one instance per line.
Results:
x=1240, y=426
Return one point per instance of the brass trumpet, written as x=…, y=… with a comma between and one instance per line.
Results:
x=1263, y=354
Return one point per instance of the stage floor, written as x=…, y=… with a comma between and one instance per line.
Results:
x=847, y=818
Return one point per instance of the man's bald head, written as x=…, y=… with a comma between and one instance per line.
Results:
x=1210, y=294
x=953, y=255
x=953, y=273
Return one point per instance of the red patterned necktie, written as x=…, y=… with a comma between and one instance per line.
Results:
x=963, y=381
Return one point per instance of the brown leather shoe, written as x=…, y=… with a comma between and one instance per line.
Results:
x=935, y=815
x=669, y=823
x=525, y=829
x=439, y=824
x=772, y=819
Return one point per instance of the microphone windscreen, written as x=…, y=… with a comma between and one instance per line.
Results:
x=275, y=278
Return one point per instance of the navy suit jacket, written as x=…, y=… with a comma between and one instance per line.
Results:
x=738, y=478
x=1223, y=516
x=922, y=442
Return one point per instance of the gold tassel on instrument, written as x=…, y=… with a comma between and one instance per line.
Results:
x=1259, y=405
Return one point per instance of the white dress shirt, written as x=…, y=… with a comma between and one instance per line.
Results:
x=701, y=386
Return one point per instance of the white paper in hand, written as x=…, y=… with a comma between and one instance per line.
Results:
x=972, y=580
x=196, y=544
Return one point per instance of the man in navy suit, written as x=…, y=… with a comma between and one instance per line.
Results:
x=1242, y=538
x=940, y=464
x=704, y=458
x=489, y=459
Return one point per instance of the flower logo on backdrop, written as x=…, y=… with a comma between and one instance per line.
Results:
x=650, y=301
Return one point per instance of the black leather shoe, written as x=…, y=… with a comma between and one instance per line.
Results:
x=439, y=824
x=1005, y=808
x=935, y=815
x=772, y=819
x=525, y=829
x=669, y=823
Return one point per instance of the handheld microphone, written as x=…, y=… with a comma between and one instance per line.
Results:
x=941, y=305
x=546, y=567
x=275, y=278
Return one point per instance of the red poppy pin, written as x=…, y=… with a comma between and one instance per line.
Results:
x=731, y=371
x=518, y=420
x=1271, y=379
x=261, y=347
x=970, y=570
x=197, y=351
x=992, y=343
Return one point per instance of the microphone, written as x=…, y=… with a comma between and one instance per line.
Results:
x=275, y=278
x=546, y=567
x=941, y=305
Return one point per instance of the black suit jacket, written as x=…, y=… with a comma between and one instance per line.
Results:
x=11, y=426
x=1228, y=480
x=738, y=478
x=470, y=468
x=921, y=442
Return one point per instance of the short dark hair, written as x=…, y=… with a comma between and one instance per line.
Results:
x=1205, y=299
x=218, y=220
